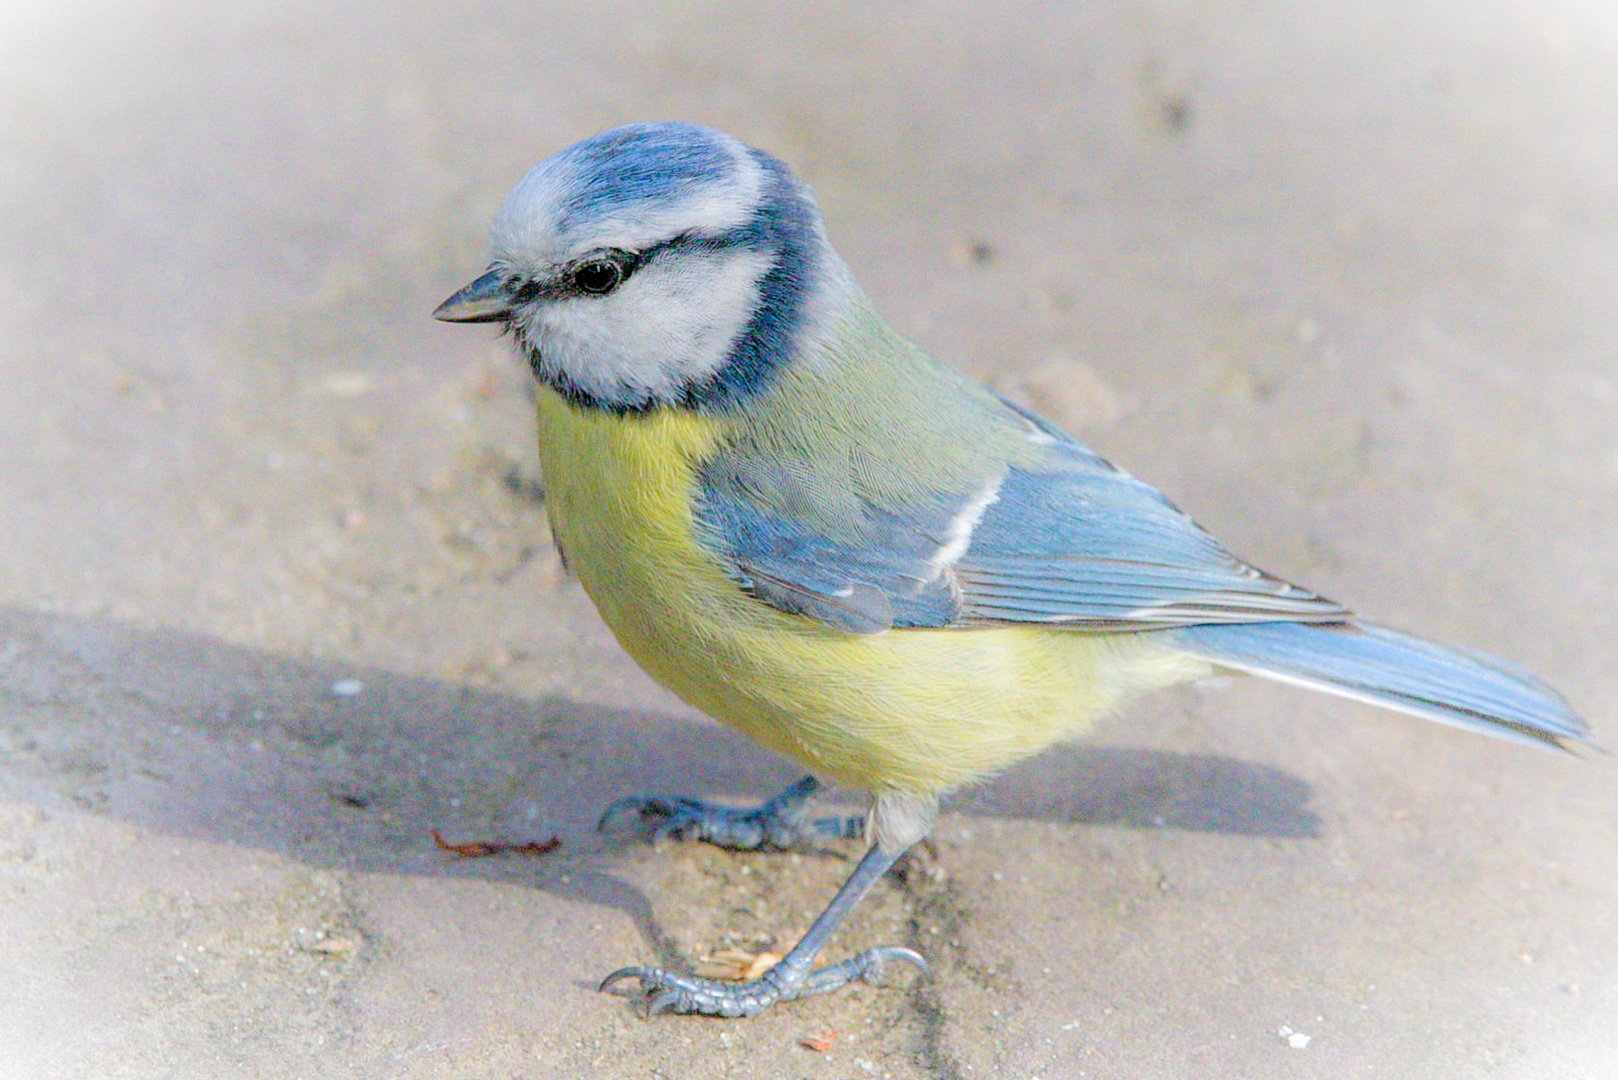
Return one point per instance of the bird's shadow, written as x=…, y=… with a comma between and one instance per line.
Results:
x=191, y=736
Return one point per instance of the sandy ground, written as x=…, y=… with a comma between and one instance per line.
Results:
x=277, y=597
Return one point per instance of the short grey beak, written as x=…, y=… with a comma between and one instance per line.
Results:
x=485, y=300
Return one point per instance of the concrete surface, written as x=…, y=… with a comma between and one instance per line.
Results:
x=1340, y=278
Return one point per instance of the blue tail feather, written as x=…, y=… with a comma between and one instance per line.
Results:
x=1384, y=667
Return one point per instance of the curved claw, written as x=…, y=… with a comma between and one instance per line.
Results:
x=642, y=805
x=884, y=953
x=612, y=811
x=635, y=971
x=683, y=818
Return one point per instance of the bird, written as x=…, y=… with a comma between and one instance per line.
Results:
x=816, y=533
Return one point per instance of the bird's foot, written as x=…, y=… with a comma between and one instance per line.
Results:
x=665, y=991
x=780, y=824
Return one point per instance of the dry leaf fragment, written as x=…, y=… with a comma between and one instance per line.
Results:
x=333, y=946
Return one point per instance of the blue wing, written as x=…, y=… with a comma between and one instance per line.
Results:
x=1063, y=539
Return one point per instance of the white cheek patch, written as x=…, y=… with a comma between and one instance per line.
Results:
x=673, y=323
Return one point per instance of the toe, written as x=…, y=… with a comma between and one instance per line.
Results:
x=667, y=1001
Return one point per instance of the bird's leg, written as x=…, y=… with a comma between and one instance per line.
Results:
x=778, y=825
x=792, y=978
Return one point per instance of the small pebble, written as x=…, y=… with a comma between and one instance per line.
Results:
x=347, y=687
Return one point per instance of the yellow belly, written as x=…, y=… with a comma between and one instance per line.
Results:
x=907, y=710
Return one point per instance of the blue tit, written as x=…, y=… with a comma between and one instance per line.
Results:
x=816, y=533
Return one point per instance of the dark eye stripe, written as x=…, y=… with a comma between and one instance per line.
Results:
x=691, y=241
x=565, y=283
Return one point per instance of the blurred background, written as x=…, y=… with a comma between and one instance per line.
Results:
x=277, y=596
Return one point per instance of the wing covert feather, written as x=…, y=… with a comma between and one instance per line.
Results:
x=1064, y=539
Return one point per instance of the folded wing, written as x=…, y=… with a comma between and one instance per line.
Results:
x=1063, y=539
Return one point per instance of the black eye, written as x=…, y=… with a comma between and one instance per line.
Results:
x=599, y=276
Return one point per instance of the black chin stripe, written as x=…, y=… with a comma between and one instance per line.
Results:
x=623, y=402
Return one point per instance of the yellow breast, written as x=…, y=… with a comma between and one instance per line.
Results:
x=912, y=710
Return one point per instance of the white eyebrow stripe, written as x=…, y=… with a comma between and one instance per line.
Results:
x=958, y=533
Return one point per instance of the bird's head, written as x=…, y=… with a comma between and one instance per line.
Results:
x=657, y=264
